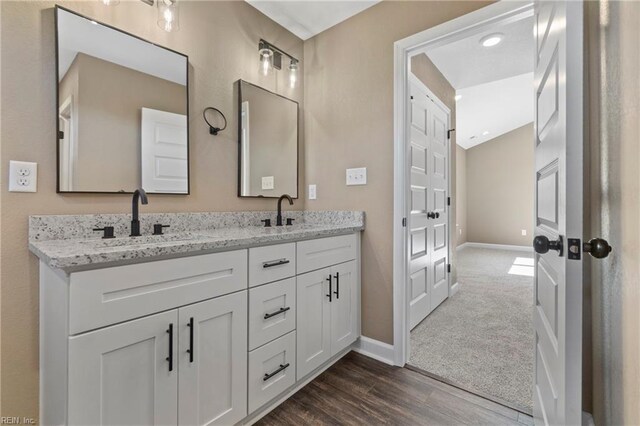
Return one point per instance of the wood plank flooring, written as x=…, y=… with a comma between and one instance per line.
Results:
x=358, y=390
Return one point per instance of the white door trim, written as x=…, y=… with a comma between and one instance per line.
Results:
x=464, y=26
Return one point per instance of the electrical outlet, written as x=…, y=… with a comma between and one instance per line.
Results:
x=312, y=192
x=524, y=232
x=357, y=176
x=267, y=182
x=23, y=176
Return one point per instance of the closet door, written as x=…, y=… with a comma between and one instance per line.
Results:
x=213, y=361
x=125, y=374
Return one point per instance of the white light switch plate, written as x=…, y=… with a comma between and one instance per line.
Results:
x=312, y=192
x=524, y=232
x=23, y=176
x=357, y=176
x=267, y=182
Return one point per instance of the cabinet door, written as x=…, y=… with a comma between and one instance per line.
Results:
x=344, y=306
x=213, y=361
x=313, y=321
x=122, y=375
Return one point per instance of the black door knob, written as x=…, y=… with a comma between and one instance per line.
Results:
x=431, y=215
x=597, y=247
x=542, y=245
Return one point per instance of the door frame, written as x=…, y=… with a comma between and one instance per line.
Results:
x=445, y=33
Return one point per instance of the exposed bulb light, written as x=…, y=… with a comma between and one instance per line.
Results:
x=293, y=74
x=491, y=40
x=168, y=14
x=265, y=60
x=110, y=2
x=458, y=97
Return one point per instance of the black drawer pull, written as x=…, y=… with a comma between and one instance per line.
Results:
x=170, y=357
x=190, y=350
x=278, y=312
x=280, y=369
x=275, y=263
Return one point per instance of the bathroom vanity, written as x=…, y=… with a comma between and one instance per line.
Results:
x=215, y=323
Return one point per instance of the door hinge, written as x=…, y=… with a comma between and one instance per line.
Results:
x=448, y=201
x=448, y=267
x=449, y=133
x=60, y=134
x=404, y=222
x=574, y=248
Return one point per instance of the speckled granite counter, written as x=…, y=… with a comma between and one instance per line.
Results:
x=68, y=243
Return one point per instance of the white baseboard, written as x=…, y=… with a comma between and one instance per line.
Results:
x=375, y=349
x=454, y=289
x=495, y=246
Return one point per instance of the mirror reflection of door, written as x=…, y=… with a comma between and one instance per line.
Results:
x=66, y=144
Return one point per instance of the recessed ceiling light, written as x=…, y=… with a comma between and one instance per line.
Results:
x=485, y=133
x=491, y=39
x=458, y=97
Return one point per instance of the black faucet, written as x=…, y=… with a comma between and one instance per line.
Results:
x=279, y=217
x=140, y=195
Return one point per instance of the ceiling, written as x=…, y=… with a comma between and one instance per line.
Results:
x=308, y=18
x=495, y=83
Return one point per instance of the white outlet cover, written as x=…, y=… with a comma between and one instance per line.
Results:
x=357, y=176
x=267, y=182
x=524, y=232
x=312, y=192
x=23, y=176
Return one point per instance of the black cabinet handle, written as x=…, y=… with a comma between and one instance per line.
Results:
x=330, y=288
x=275, y=263
x=190, y=350
x=170, y=357
x=280, y=369
x=337, y=292
x=278, y=312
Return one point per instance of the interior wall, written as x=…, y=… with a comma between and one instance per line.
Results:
x=614, y=129
x=221, y=39
x=349, y=123
x=500, y=189
x=461, y=196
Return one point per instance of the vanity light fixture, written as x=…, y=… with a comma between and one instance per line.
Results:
x=168, y=14
x=491, y=39
x=110, y=2
x=271, y=58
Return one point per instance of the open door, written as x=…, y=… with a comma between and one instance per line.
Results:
x=559, y=204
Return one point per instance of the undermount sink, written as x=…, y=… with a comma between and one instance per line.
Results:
x=136, y=241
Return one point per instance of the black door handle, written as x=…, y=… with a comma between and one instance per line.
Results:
x=431, y=215
x=330, y=288
x=190, y=350
x=542, y=245
x=597, y=247
x=337, y=292
x=170, y=357
x=278, y=312
x=270, y=375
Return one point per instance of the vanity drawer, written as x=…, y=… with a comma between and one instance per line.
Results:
x=107, y=296
x=271, y=263
x=272, y=311
x=272, y=370
x=323, y=252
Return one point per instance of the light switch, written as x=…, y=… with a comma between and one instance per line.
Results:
x=312, y=192
x=357, y=176
x=267, y=182
x=23, y=176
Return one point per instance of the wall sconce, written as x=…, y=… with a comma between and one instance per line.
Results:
x=271, y=58
x=168, y=12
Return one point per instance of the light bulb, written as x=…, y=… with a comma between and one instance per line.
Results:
x=491, y=40
x=110, y=2
x=293, y=74
x=168, y=14
x=265, y=60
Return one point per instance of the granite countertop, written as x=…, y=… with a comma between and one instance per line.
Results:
x=76, y=254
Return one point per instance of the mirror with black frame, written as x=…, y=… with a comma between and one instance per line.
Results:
x=123, y=111
x=268, y=138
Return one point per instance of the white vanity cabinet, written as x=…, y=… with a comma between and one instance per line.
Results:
x=206, y=339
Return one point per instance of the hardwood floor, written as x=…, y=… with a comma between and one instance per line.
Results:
x=358, y=390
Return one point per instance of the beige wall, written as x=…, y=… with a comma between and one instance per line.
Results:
x=221, y=40
x=349, y=123
x=614, y=117
x=500, y=189
x=461, y=196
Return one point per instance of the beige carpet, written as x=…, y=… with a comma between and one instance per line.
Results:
x=482, y=338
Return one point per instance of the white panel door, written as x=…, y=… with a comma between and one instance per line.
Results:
x=213, y=361
x=344, y=306
x=125, y=374
x=559, y=189
x=313, y=321
x=164, y=153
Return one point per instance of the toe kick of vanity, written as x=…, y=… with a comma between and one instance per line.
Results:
x=219, y=338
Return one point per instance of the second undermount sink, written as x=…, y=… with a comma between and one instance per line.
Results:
x=142, y=240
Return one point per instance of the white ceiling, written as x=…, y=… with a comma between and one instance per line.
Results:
x=306, y=18
x=496, y=83
x=467, y=63
x=77, y=34
x=497, y=107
